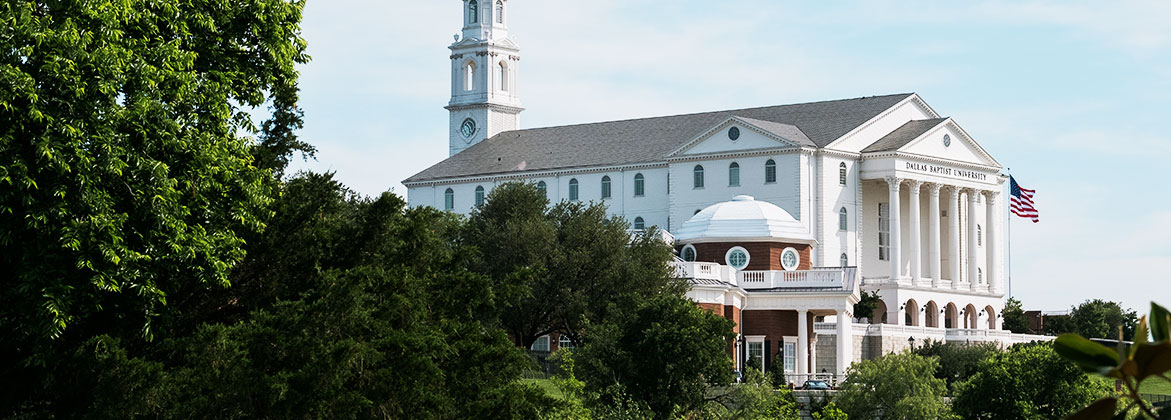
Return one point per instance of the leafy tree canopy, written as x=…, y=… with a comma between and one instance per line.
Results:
x=571, y=254
x=897, y=386
x=665, y=352
x=124, y=173
x=957, y=362
x=1014, y=317
x=1026, y=382
x=1102, y=319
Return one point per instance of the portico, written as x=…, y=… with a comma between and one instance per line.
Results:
x=938, y=226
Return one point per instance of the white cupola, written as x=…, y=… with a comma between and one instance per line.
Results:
x=744, y=220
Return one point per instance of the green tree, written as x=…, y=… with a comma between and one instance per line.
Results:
x=753, y=399
x=1014, y=317
x=957, y=362
x=1058, y=324
x=897, y=386
x=129, y=181
x=361, y=308
x=866, y=306
x=1026, y=382
x=1102, y=319
x=830, y=412
x=571, y=254
x=665, y=353
x=1147, y=358
x=123, y=169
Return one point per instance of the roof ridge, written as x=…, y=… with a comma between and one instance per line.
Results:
x=732, y=111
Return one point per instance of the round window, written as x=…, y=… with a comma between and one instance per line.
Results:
x=790, y=259
x=734, y=133
x=946, y=140
x=687, y=253
x=737, y=258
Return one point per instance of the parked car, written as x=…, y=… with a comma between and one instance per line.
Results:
x=816, y=385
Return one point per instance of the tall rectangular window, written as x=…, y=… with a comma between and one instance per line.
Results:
x=756, y=353
x=884, y=231
x=790, y=356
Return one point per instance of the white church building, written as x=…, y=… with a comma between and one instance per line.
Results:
x=781, y=216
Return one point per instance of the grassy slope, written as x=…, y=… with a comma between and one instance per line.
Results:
x=1156, y=386
x=547, y=386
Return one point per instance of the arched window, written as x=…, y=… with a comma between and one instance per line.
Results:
x=639, y=224
x=473, y=11
x=845, y=260
x=842, y=174
x=499, y=12
x=543, y=187
x=688, y=253
x=734, y=175
x=573, y=189
x=503, y=77
x=697, y=173
x=979, y=235
x=479, y=196
x=770, y=171
x=449, y=200
x=843, y=219
x=470, y=75
x=564, y=343
x=639, y=185
x=606, y=186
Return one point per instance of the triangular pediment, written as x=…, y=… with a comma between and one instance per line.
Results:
x=939, y=138
x=740, y=134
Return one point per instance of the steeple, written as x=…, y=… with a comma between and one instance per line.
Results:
x=484, y=64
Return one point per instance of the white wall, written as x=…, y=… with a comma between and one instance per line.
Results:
x=652, y=206
x=785, y=192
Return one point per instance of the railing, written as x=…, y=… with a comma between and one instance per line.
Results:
x=829, y=277
x=705, y=271
x=817, y=277
x=798, y=380
x=949, y=334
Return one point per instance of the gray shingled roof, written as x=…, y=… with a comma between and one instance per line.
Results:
x=903, y=135
x=646, y=140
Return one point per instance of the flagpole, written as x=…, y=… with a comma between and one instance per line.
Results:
x=1008, y=227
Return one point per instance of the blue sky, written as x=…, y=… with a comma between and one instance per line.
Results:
x=1072, y=96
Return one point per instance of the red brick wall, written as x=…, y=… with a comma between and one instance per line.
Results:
x=762, y=255
x=715, y=308
x=775, y=325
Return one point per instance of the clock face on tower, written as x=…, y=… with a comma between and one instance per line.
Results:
x=468, y=128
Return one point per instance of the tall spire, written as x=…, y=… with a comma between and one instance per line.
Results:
x=484, y=64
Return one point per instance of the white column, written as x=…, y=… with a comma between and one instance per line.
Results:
x=992, y=229
x=934, y=255
x=916, y=233
x=845, y=344
x=895, y=242
x=802, y=341
x=973, y=262
x=953, y=233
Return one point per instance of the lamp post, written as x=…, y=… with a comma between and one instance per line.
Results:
x=911, y=342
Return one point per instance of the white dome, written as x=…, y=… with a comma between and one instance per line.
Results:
x=743, y=219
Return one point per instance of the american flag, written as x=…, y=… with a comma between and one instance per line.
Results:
x=1022, y=201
